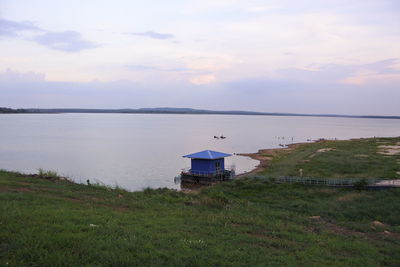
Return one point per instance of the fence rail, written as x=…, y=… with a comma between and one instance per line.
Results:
x=326, y=181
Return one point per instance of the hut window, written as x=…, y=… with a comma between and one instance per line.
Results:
x=217, y=165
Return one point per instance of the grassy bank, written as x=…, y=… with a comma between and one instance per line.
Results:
x=360, y=158
x=246, y=222
x=49, y=222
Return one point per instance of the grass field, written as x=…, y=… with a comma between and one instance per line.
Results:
x=361, y=158
x=248, y=222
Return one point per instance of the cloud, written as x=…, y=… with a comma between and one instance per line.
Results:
x=381, y=71
x=113, y=94
x=174, y=72
x=332, y=88
x=142, y=67
x=10, y=76
x=354, y=74
x=202, y=79
x=365, y=76
x=258, y=94
x=384, y=66
x=68, y=41
x=157, y=68
x=12, y=28
x=260, y=9
x=155, y=35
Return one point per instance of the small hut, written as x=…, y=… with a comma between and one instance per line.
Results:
x=207, y=166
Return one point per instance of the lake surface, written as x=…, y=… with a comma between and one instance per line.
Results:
x=136, y=151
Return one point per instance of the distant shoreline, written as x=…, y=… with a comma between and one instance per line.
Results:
x=184, y=111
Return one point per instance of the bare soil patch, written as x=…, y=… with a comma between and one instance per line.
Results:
x=395, y=182
x=327, y=190
x=14, y=189
x=389, y=150
x=337, y=229
x=322, y=150
x=24, y=183
x=378, y=224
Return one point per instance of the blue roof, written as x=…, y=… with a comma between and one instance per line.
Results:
x=207, y=154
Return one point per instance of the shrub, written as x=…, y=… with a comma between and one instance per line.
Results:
x=361, y=184
x=47, y=174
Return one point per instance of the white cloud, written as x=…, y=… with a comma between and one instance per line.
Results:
x=366, y=76
x=68, y=41
x=13, y=28
x=202, y=79
x=154, y=35
x=21, y=77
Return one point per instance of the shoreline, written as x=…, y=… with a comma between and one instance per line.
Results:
x=265, y=160
x=265, y=156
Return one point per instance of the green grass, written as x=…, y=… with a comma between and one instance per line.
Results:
x=345, y=159
x=248, y=222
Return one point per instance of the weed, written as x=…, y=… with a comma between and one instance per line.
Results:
x=47, y=174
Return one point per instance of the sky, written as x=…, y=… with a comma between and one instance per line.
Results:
x=331, y=56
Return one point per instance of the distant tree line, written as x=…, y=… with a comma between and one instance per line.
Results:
x=11, y=110
x=167, y=110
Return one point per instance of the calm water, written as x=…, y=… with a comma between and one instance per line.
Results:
x=136, y=151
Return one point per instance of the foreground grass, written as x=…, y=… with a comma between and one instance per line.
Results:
x=248, y=222
x=361, y=158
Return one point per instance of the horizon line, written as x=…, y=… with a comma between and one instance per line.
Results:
x=174, y=110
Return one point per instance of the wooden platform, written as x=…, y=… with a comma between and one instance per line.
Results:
x=188, y=177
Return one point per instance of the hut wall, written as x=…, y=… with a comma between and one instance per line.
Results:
x=206, y=166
